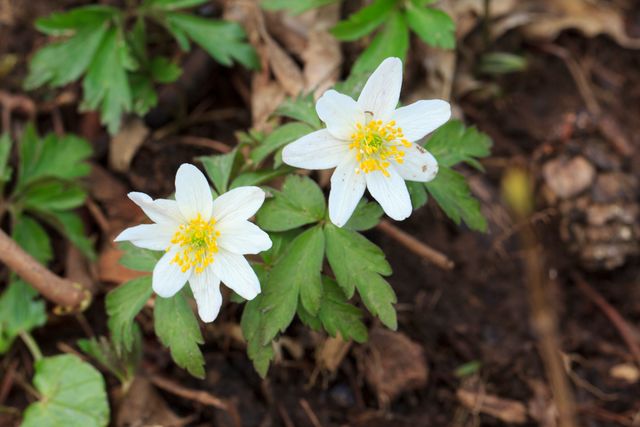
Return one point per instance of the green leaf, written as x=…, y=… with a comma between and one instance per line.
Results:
x=121, y=364
x=143, y=93
x=297, y=273
x=392, y=40
x=69, y=225
x=366, y=216
x=418, y=194
x=72, y=394
x=364, y=21
x=123, y=304
x=302, y=108
x=453, y=143
x=294, y=6
x=453, y=195
x=502, y=63
x=337, y=315
x=308, y=319
x=299, y=203
x=106, y=85
x=433, y=26
x=63, y=62
x=5, y=153
x=163, y=70
x=52, y=157
x=224, y=41
x=177, y=328
x=261, y=355
x=31, y=237
x=279, y=138
x=358, y=263
x=280, y=244
x=64, y=23
x=259, y=177
x=219, y=168
x=53, y=195
x=19, y=311
x=173, y=4
x=135, y=258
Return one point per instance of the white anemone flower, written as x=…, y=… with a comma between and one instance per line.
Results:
x=204, y=240
x=371, y=144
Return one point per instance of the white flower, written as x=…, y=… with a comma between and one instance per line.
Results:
x=371, y=144
x=204, y=240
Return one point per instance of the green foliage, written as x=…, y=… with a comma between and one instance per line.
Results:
x=364, y=21
x=294, y=6
x=300, y=202
x=392, y=40
x=96, y=44
x=502, y=63
x=338, y=316
x=219, y=168
x=135, y=258
x=366, y=216
x=453, y=144
x=19, y=312
x=302, y=109
x=72, y=394
x=122, y=365
x=433, y=26
x=123, y=304
x=5, y=152
x=177, y=328
x=279, y=138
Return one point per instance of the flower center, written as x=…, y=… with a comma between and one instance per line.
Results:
x=197, y=241
x=376, y=144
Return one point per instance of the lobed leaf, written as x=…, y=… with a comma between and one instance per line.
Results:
x=302, y=108
x=294, y=6
x=433, y=26
x=364, y=21
x=366, y=216
x=20, y=311
x=123, y=304
x=454, y=143
x=279, y=138
x=31, y=237
x=219, y=168
x=392, y=40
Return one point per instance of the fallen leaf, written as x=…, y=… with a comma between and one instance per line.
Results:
x=331, y=352
x=125, y=144
x=627, y=372
x=507, y=410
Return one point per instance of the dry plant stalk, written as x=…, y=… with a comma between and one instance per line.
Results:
x=68, y=295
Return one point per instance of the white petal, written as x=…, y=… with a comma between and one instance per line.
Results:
x=168, y=278
x=193, y=193
x=391, y=192
x=239, y=203
x=381, y=93
x=161, y=211
x=235, y=272
x=206, y=290
x=419, y=165
x=347, y=188
x=317, y=150
x=340, y=113
x=422, y=117
x=242, y=237
x=156, y=237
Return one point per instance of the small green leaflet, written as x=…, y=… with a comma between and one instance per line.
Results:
x=19, y=311
x=299, y=203
x=279, y=138
x=294, y=6
x=219, y=168
x=178, y=329
x=364, y=21
x=392, y=40
x=433, y=26
x=121, y=364
x=302, y=108
x=70, y=226
x=123, y=304
x=172, y=4
x=454, y=143
x=366, y=216
x=138, y=259
x=358, y=263
x=338, y=316
x=31, y=237
x=261, y=355
x=418, y=194
x=259, y=177
x=72, y=394
x=5, y=152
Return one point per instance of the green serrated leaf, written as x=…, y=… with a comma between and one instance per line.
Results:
x=163, y=70
x=177, y=328
x=20, y=311
x=433, y=26
x=364, y=21
x=366, y=216
x=308, y=319
x=5, y=153
x=135, y=258
x=106, y=85
x=259, y=177
x=260, y=355
x=143, y=93
x=31, y=237
x=299, y=203
x=122, y=365
x=451, y=192
x=294, y=6
x=454, y=143
x=338, y=316
x=392, y=40
x=302, y=108
x=168, y=5
x=225, y=41
x=358, y=263
x=123, y=304
x=66, y=23
x=53, y=195
x=72, y=394
x=69, y=225
x=279, y=244
x=298, y=268
x=219, y=168
x=279, y=138
x=418, y=194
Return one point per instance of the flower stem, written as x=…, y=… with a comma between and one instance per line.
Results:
x=31, y=345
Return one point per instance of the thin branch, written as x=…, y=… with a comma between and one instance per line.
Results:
x=68, y=295
x=416, y=246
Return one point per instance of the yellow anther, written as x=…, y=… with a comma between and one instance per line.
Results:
x=196, y=243
x=376, y=144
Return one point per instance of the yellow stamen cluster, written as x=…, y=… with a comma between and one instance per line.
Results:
x=376, y=144
x=197, y=241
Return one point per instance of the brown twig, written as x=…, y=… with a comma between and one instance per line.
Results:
x=310, y=414
x=416, y=246
x=625, y=330
x=69, y=296
x=199, y=396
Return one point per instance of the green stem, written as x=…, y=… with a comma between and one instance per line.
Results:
x=31, y=345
